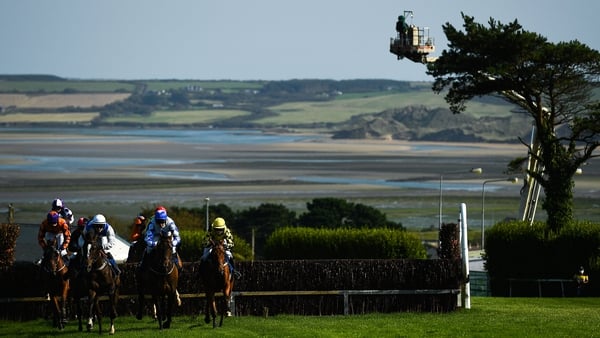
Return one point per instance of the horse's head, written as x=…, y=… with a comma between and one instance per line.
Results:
x=92, y=254
x=164, y=249
x=52, y=261
x=217, y=255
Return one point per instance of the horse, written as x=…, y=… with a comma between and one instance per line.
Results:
x=159, y=279
x=55, y=273
x=136, y=251
x=101, y=279
x=216, y=277
x=78, y=288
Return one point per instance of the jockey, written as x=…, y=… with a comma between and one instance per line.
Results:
x=106, y=237
x=219, y=230
x=137, y=230
x=161, y=222
x=54, y=228
x=63, y=211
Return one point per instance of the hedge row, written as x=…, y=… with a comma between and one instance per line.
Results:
x=341, y=243
x=8, y=240
x=23, y=280
x=516, y=249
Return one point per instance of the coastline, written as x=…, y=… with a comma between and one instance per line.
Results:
x=122, y=174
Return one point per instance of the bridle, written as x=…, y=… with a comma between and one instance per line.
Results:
x=92, y=260
x=167, y=263
x=56, y=265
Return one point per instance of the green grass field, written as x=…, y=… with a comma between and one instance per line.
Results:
x=488, y=317
x=343, y=108
x=183, y=117
x=61, y=86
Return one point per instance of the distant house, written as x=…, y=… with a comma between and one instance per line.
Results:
x=28, y=249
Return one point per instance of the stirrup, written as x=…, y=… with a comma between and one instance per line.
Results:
x=237, y=274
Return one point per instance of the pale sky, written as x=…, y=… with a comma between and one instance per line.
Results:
x=251, y=40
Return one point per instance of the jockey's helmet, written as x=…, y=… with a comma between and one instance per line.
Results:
x=81, y=222
x=139, y=220
x=160, y=216
x=57, y=204
x=52, y=218
x=218, y=223
x=68, y=214
x=99, y=221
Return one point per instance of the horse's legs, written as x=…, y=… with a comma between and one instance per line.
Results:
x=207, y=309
x=157, y=300
x=79, y=313
x=63, y=302
x=114, y=298
x=91, y=307
x=140, y=288
x=171, y=298
x=223, y=307
x=98, y=312
x=56, y=318
x=214, y=311
x=227, y=295
x=90, y=323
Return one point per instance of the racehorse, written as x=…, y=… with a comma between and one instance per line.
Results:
x=159, y=279
x=134, y=255
x=101, y=279
x=78, y=284
x=216, y=277
x=57, y=282
x=136, y=251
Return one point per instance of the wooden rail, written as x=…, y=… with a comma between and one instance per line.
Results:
x=539, y=282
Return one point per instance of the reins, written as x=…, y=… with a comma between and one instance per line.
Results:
x=56, y=266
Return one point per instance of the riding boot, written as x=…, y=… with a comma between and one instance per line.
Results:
x=113, y=264
x=178, y=262
x=236, y=274
x=116, y=268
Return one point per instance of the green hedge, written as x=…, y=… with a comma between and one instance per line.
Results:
x=191, y=248
x=516, y=249
x=311, y=243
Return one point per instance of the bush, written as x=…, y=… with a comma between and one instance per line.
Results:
x=516, y=249
x=191, y=248
x=311, y=243
x=8, y=240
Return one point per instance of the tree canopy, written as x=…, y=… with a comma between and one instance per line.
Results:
x=552, y=82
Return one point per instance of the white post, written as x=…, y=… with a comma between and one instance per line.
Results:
x=466, y=294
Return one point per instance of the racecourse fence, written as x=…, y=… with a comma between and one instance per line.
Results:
x=300, y=287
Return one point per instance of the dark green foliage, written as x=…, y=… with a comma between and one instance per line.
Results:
x=192, y=246
x=261, y=221
x=330, y=212
x=517, y=250
x=449, y=241
x=192, y=229
x=552, y=83
x=311, y=243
